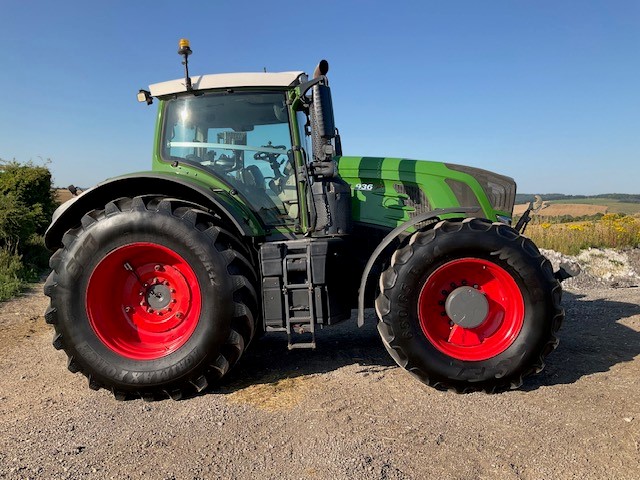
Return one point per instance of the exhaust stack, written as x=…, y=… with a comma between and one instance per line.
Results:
x=321, y=69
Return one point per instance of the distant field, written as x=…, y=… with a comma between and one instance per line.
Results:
x=62, y=195
x=581, y=207
x=559, y=210
x=574, y=209
x=613, y=205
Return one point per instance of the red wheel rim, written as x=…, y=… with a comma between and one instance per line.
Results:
x=501, y=325
x=143, y=301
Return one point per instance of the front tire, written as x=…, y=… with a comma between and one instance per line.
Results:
x=469, y=305
x=151, y=298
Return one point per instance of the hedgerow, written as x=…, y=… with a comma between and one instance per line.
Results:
x=26, y=204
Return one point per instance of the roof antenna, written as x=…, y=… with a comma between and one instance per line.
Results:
x=185, y=51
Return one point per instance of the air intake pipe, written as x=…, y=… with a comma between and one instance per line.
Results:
x=331, y=195
x=322, y=122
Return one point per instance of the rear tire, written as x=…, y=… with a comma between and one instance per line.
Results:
x=151, y=298
x=519, y=300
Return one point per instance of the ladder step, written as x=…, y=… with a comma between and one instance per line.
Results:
x=301, y=328
x=296, y=276
x=276, y=329
x=296, y=255
x=301, y=308
x=297, y=286
x=294, y=346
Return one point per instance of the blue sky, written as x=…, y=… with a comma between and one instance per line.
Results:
x=547, y=92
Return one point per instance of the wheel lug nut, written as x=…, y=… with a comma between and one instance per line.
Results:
x=158, y=268
x=173, y=300
x=443, y=314
x=140, y=293
x=444, y=292
x=463, y=282
x=453, y=285
x=165, y=283
x=159, y=313
x=127, y=309
x=150, y=310
x=475, y=285
x=173, y=290
x=143, y=303
x=179, y=315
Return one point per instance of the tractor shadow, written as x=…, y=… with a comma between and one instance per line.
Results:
x=269, y=361
x=592, y=340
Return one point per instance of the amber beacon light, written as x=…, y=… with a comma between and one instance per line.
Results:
x=185, y=50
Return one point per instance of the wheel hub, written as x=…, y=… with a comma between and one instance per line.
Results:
x=158, y=296
x=467, y=307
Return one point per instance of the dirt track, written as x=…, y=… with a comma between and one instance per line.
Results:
x=344, y=411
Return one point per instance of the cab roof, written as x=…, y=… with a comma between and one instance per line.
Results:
x=227, y=80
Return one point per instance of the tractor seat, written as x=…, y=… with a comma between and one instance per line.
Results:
x=252, y=177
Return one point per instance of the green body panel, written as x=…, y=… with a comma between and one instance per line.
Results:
x=294, y=100
x=375, y=196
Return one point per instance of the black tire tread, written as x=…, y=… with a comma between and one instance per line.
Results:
x=401, y=256
x=242, y=271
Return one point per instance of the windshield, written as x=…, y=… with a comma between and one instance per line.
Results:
x=245, y=139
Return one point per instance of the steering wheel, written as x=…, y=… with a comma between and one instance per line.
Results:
x=269, y=156
x=272, y=158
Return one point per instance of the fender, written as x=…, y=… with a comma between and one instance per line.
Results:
x=68, y=215
x=386, y=241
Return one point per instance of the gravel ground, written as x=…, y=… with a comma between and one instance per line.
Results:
x=343, y=411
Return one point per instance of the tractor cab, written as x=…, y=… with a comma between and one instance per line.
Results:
x=246, y=133
x=243, y=139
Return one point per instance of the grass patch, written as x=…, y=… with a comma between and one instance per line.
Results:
x=275, y=396
x=11, y=271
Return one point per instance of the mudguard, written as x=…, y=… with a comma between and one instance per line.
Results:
x=218, y=201
x=386, y=241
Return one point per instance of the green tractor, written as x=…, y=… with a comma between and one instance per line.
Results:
x=251, y=221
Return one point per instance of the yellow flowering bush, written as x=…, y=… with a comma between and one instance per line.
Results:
x=612, y=230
